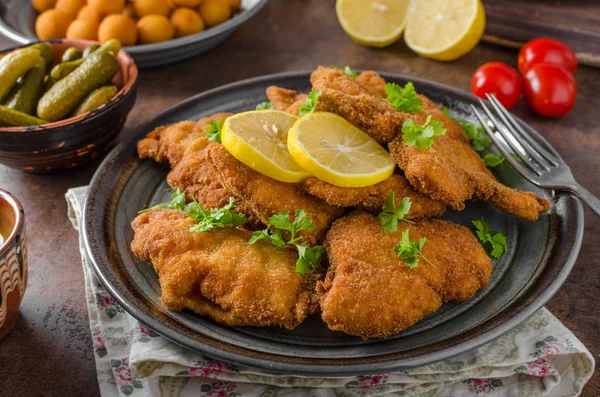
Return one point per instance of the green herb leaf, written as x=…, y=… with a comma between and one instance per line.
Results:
x=494, y=242
x=493, y=160
x=410, y=250
x=514, y=156
x=422, y=135
x=309, y=257
x=258, y=235
x=214, y=217
x=405, y=99
x=349, y=72
x=477, y=136
x=264, y=105
x=390, y=215
x=310, y=104
x=177, y=202
x=213, y=131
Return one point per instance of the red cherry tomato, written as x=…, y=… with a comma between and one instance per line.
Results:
x=546, y=50
x=549, y=89
x=499, y=79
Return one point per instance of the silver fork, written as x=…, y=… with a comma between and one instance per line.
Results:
x=541, y=165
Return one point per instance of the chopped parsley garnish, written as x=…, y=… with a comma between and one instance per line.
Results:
x=493, y=160
x=405, y=99
x=310, y=104
x=207, y=219
x=213, y=131
x=477, y=137
x=177, y=202
x=309, y=258
x=214, y=217
x=264, y=105
x=422, y=135
x=390, y=215
x=410, y=250
x=495, y=242
x=349, y=72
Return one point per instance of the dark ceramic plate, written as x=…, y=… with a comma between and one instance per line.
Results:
x=17, y=22
x=539, y=258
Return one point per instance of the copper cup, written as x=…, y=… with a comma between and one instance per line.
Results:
x=13, y=261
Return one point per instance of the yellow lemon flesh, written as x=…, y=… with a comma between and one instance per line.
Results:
x=337, y=152
x=444, y=29
x=376, y=23
x=259, y=140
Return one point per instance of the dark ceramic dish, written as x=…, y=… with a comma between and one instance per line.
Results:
x=539, y=258
x=74, y=141
x=17, y=22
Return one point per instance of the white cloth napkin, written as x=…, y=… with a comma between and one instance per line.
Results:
x=541, y=357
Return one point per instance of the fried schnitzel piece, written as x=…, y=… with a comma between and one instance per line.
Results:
x=370, y=292
x=285, y=100
x=453, y=172
x=367, y=82
x=167, y=143
x=267, y=197
x=218, y=274
x=372, y=198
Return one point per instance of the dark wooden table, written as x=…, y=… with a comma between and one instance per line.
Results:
x=50, y=351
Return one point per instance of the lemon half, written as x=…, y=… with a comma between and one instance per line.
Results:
x=376, y=23
x=259, y=140
x=444, y=29
x=337, y=152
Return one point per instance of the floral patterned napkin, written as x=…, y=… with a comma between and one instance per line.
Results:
x=539, y=358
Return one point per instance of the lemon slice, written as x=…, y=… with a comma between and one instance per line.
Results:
x=444, y=29
x=376, y=23
x=259, y=140
x=335, y=151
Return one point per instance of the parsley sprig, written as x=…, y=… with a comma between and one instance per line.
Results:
x=477, y=137
x=310, y=104
x=410, y=250
x=405, y=99
x=309, y=258
x=349, y=72
x=422, y=135
x=264, y=105
x=207, y=219
x=490, y=239
x=213, y=131
x=214, y=217
x=177, y=202
x=390, y=214
x=493, y=160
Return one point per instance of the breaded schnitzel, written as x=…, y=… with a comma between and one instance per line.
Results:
x=285, y=100
x=218, y=274
x=372, y=198
x=168, y=143
x=370, y=292
x=451, y=171
x=267, y=197
x=367, y=82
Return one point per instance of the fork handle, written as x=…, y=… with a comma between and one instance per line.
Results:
x=592, y=201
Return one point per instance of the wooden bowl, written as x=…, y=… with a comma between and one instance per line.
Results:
x=13, y=261
x=74, y=141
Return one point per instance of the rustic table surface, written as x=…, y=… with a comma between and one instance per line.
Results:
x=50, y=350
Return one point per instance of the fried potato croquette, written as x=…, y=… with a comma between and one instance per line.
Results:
x=372, y=198
x=218, y=274
x=369, y=292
